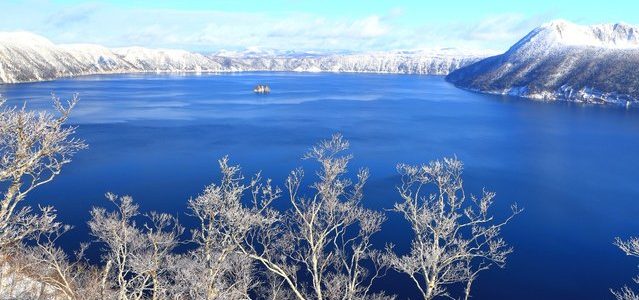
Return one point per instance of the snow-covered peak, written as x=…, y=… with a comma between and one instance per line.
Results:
x=563, y=60
x=615, y=36
x=23, y=38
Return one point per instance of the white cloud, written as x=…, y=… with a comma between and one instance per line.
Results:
x=213, y=30
x=370, y=27
x=494, y=32
x=503, y=27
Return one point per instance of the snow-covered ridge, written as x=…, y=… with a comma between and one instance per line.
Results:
x=27, y=57
x=436, y=63
x=619, y=35
x=21, y=38
x=563, y=61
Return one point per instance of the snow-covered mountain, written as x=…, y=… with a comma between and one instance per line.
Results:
x=435, y=62
x=28, y=57
x=163, y=60
x=563, y=61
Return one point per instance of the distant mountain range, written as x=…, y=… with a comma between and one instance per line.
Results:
x=28, y=57
x=557, y=61
x=563, y=61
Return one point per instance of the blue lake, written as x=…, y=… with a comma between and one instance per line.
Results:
x=573, y=168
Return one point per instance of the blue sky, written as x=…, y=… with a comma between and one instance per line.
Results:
x=301, y=25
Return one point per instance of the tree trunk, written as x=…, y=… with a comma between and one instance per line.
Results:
x=467, y=290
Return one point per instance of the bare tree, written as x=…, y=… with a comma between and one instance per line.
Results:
x=320, y=248
x=325, y=236
x=454, y=239
x=137, y=259
x=225, y=226
x=629, y=247
x=34, y=146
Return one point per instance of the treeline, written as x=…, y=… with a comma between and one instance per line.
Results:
x=242, y=246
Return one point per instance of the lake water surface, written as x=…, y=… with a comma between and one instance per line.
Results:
x=573, y=168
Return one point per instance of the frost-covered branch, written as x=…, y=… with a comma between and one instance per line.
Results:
x=225, y=228
x=455, y=236
x=325, y=236
x=629, y=247
x=138, y=258
x=34, y=146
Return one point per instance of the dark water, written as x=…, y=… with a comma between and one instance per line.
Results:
x=572, y=167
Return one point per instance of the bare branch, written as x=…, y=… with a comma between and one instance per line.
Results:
x=455, y=236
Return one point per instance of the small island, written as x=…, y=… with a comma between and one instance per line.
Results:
x=262, y=89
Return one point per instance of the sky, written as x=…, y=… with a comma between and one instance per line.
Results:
x=302, y=25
